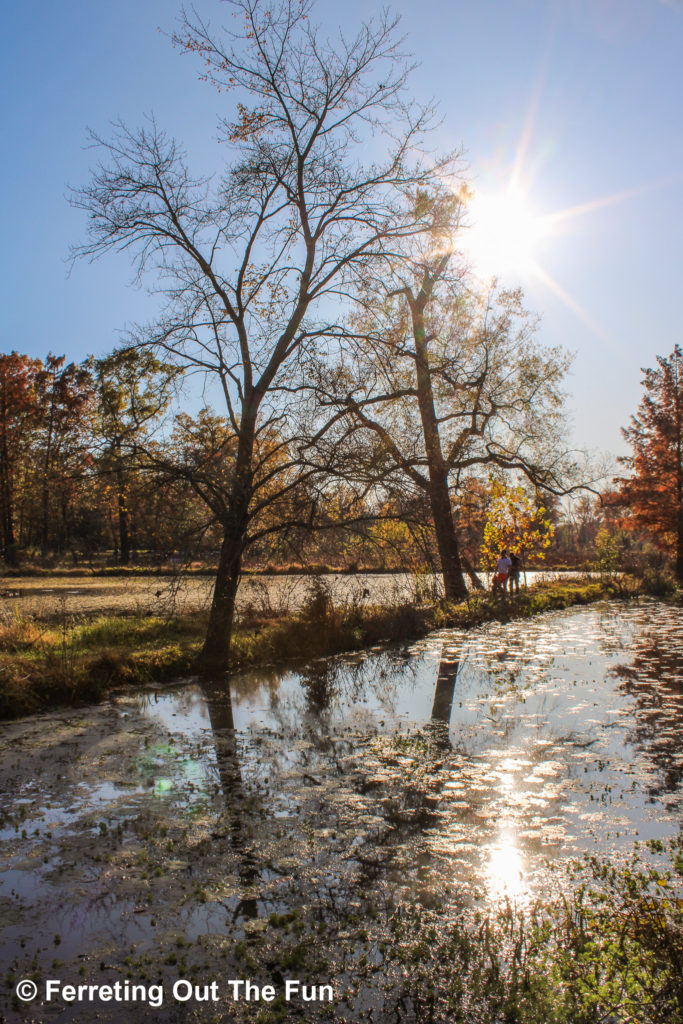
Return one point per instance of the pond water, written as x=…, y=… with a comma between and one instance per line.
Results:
x=466, y=768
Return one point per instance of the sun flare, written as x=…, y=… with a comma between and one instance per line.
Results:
x=504, y=234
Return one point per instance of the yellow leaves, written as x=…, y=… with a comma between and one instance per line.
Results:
x=514, y=524
x=397, y=545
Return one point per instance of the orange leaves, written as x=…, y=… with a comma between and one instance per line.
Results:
x=652, y=495
x=249, y=124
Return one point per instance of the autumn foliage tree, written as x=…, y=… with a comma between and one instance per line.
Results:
x=653, y=494
x=132, y=389
x=63, y=394
x=18, y=415
x=443, y=384
x=514, y=523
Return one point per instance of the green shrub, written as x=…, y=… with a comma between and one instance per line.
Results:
x=658, y=582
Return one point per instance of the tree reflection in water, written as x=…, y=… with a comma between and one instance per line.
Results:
x=654, y=681
x=320, y=684
x=219, y=703
x=445, y=686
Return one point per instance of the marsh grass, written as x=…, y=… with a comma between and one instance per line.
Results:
x=610, y=950
x=74, y=658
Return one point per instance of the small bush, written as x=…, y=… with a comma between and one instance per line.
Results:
x=658, y=582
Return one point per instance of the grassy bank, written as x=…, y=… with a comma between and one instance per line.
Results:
x=77, y=659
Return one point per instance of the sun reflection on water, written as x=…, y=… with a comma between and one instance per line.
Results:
x=505, y=869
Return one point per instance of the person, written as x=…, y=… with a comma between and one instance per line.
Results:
x=501, y=574
x=513, y=575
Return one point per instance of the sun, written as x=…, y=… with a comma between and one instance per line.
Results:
x=503, y=234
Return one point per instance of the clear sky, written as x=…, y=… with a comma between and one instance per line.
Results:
x=583, y=97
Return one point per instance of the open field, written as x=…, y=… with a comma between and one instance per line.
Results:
x=47, y=598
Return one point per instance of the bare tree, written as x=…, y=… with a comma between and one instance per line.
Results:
x=255, y=265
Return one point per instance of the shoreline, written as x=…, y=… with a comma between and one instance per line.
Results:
x=80, y=660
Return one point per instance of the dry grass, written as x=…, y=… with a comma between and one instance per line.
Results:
x=46, y=598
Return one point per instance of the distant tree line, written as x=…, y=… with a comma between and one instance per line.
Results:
x=69, y=480
x=88, y=474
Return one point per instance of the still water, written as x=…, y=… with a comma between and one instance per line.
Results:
x=468, y=767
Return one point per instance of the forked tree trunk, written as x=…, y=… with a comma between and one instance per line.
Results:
x=454, y=584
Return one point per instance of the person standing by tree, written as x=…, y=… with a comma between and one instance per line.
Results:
x=513, y=575
x=500, y=578
x=516, y=524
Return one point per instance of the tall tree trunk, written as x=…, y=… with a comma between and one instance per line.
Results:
x=215, y=655
x=454, y=584
x=124, y=522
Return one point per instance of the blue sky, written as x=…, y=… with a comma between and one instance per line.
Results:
x=592, y=88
